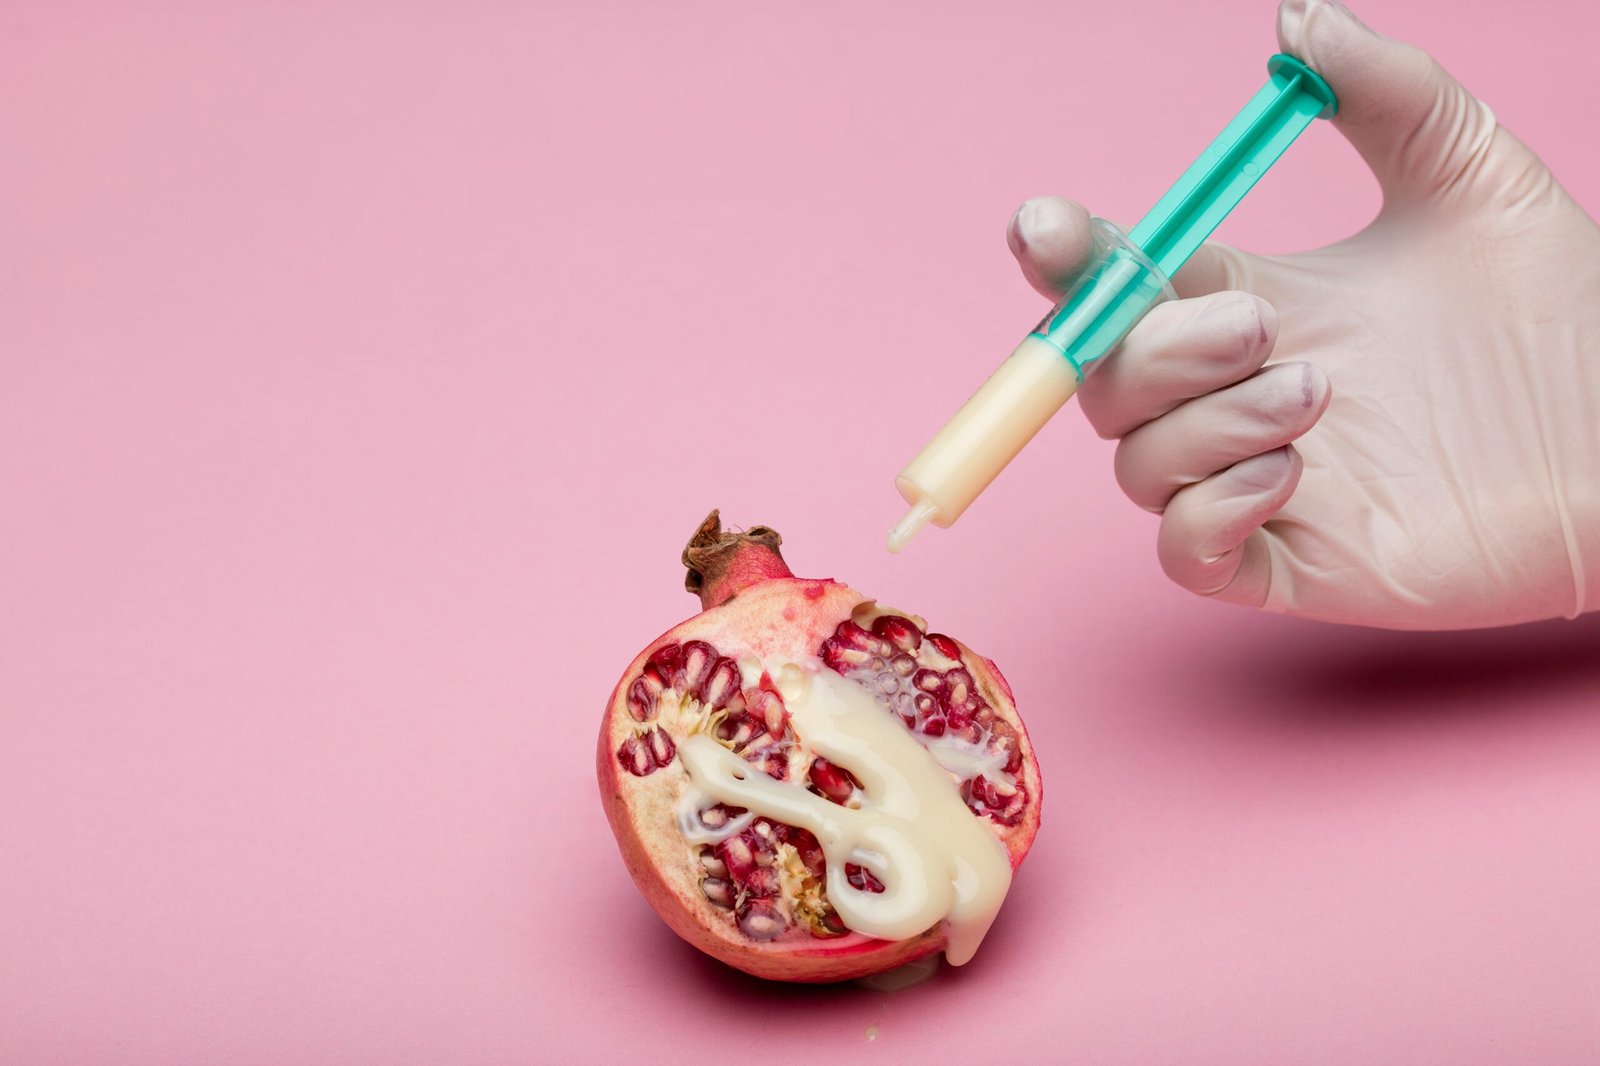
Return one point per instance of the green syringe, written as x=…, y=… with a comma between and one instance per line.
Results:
x=1127, y=274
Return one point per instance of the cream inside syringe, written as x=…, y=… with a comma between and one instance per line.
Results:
x=1111, y=294
x=985, y=435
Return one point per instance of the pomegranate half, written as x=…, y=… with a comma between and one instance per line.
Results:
x=752, y=892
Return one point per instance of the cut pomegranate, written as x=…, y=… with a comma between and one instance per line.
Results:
x=749, y=890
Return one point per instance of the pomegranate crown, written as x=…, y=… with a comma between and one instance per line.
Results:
x=723, y=564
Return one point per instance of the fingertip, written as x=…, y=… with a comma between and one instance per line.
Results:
x=1316, y=391
x=1014, y=238
x=1179, y=351
x=1224, y=337
x=1266, y=321
x=1207, y=527
x=1415, y=125
x=1303, y=25
x=1051, y=239
x=1246, y=321
x=1272, y=474
x=1292, y=398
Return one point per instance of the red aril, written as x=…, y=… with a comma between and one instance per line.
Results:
x=746, y=889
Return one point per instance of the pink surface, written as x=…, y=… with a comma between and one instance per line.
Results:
x=364, y=370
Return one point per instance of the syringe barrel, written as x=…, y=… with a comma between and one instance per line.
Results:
x=1107, y=300
x=1110, y=296
x=1124, y=279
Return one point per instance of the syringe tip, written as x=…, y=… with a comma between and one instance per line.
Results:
x=907, y=528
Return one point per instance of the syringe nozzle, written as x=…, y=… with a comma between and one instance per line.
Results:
x=907, y=527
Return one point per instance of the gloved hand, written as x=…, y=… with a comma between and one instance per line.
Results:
x=1442, y=365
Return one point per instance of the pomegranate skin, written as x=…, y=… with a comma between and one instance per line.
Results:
x=756, y=610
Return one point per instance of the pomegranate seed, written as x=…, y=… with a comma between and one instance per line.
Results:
x=643, y=694
x=756, y=729
x=718, y=891
x=761, y=839
x=933, y=726
x=860, y=877
x=723, y=684
x=1003, y=803
x=767, y=706
x=698, y=660
x=855, y=635
x=851, y=648
x=979, y=790
x=832, y=925
x=901, y=632
x=740, y=731
x=903, y=665
x=760, y=919
x=1002, y=738
x=666, y=660
x=776, y=765
x=661, y=746
x=711, y=864
x=851, y=633
x=928, y=680
x=763, y=881
x=715, y=817
x=960, y=685
x=842, y=659
x=809, y=850
x=960, y=715
x=924, y=703
x=834, y=782
x=970, y=733
x=635, y=757
x=946, y=647
x=736, y=854
x=1010, y=813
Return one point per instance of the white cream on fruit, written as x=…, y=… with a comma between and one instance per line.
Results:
x=935, y=858
x=691, y=822
x=966, y=759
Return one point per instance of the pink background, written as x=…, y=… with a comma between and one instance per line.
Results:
x=364, y=370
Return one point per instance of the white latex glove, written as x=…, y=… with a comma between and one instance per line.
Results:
x=1443, y=366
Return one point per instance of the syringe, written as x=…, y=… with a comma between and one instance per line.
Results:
x=1127, y=274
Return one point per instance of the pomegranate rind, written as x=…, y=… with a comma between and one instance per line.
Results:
x=777, y=620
